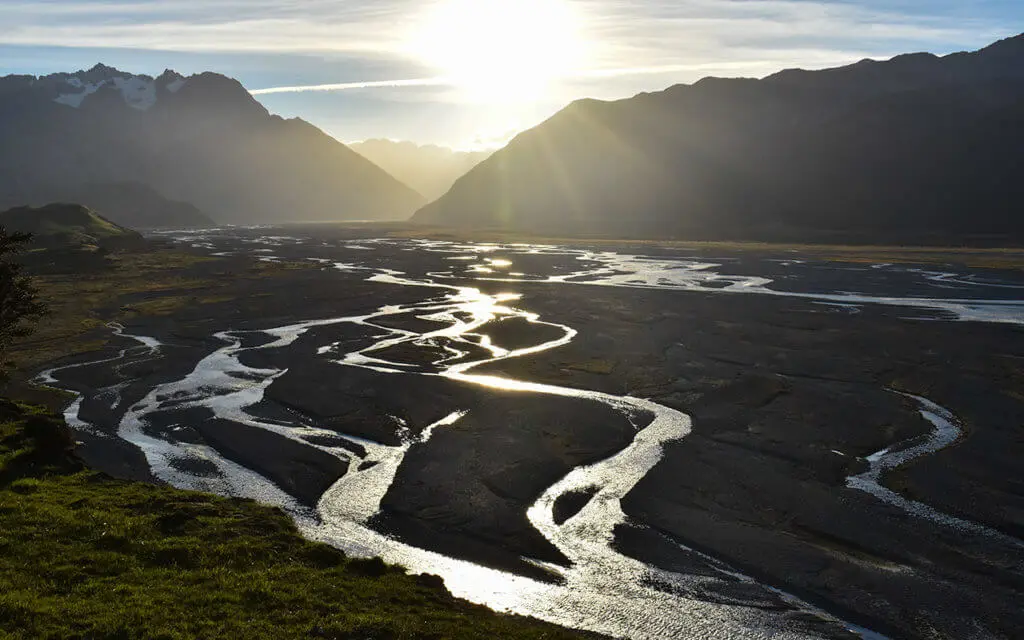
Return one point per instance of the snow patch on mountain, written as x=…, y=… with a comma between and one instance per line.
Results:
x=139, y=92
x=75, y=99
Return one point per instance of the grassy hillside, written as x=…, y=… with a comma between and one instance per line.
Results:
x=86, y=556
x=83, y=555
x=83, y=300
x=67, y=225
x=135, y=205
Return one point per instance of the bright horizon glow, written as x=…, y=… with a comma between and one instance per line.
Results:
x=501, y=50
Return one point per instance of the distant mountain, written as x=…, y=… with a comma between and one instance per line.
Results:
x=915, y=149
x=130, y=204
x=203, y=140
x=429, y=169
x=68, y=226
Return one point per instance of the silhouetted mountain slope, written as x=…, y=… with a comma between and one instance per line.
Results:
x=131, y=204
x=202, y=140
x=429, y=169
x=68, y=226
x=917, y=148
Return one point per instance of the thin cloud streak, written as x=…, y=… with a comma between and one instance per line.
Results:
x=448, y=82
x=627, y=33
x=346, y=86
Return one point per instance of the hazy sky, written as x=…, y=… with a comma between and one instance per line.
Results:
x=464, y=72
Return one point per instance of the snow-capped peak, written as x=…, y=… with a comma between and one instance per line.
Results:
x=172, y=80
x=138, y=91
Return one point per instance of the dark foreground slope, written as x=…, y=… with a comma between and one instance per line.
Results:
x=915, y=149
x=86, y=556
x=203, y=140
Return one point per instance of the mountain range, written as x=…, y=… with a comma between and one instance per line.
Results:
x=429, y=169
x=912, y=149
x=916, y=149
x=202, y=140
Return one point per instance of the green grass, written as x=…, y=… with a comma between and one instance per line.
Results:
x=89, y=226
x=86, y=556
x=133, y=283
x=71, y=223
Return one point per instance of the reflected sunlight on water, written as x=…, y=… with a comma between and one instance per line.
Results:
x=602, y=589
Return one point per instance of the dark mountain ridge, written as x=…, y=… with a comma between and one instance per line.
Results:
x=919, y=148
x=203, y=140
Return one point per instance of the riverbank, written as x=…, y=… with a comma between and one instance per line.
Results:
x=788, y=399
x=788, y=394
x=85, y=555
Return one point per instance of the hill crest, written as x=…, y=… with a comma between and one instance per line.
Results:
x=67, y=225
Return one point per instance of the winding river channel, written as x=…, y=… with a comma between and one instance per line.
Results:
x=602, y=589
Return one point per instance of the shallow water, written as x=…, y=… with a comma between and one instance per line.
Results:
x=947, y=431
x=603, y=590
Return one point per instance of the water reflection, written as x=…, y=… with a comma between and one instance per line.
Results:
x=603, y=590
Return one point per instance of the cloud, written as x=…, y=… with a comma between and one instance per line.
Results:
x=211, y=26
x=705, y=31
x=625, y=33
x=346, y=86
x=448, y=82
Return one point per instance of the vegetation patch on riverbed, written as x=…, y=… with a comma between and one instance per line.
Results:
x=979, y=253
x=154, y=281
x=86, y=556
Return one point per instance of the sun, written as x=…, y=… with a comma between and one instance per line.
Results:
x=501, y=50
